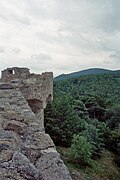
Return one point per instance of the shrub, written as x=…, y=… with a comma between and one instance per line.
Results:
x=93, y=136
x=114, y=140
x=81, y=150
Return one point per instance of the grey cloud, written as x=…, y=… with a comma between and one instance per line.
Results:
x=37, y=9
x=39, y=62
x=109, y=19
x=107, y=62
x=90, y=14
x=13, y=18
x=41, y=58
x=16, y=50
x=2, y=50
x=3, y=17
x=12, y=12
x=23, y=20
x=76, y=28
x=115, y=56
x=45, y=37
x=96, y=18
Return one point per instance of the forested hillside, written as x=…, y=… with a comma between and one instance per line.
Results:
x=91, y=71
x=85, y=118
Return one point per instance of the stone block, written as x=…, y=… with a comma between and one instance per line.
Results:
x=6, y=86
x=9, y=142
x=16, y=126
x=2, y=108
x=51, y=167
x=24, y=166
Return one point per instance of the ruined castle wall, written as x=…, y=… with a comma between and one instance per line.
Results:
x=38, y=90
x=26, y=151
x=38, y=87
x=33, y=86
x=13, y=73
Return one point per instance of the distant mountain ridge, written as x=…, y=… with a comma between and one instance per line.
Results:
x=91, y=71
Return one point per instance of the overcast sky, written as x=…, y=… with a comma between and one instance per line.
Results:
x=60, y=35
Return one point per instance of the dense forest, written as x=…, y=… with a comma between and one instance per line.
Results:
x=91, y=71
x=84, y=123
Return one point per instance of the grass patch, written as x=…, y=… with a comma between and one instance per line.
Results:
x=104, y=168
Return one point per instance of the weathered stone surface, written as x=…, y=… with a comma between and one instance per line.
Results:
x=51, y=167
x=12, y=115
x=6, y=155
x=24, y=166
x=10, y=174
x=2, y=121
x=6, y=86
x=26, y=151
x=40, y=140
x=2, y=108
x=31, y=152
x=21, y=166
x=35, y=143
x=9, y=143
x=18, y=127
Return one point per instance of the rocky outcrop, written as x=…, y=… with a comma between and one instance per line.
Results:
x=26, y=151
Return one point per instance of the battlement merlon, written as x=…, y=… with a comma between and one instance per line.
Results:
x=35, y=87
x=15, y=72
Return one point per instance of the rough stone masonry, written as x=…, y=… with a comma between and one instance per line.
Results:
x=26, y=151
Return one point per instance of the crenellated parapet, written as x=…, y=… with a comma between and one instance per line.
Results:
x=15, y=72
x=33, y=86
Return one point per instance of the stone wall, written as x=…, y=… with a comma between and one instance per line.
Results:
x=26, y=151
